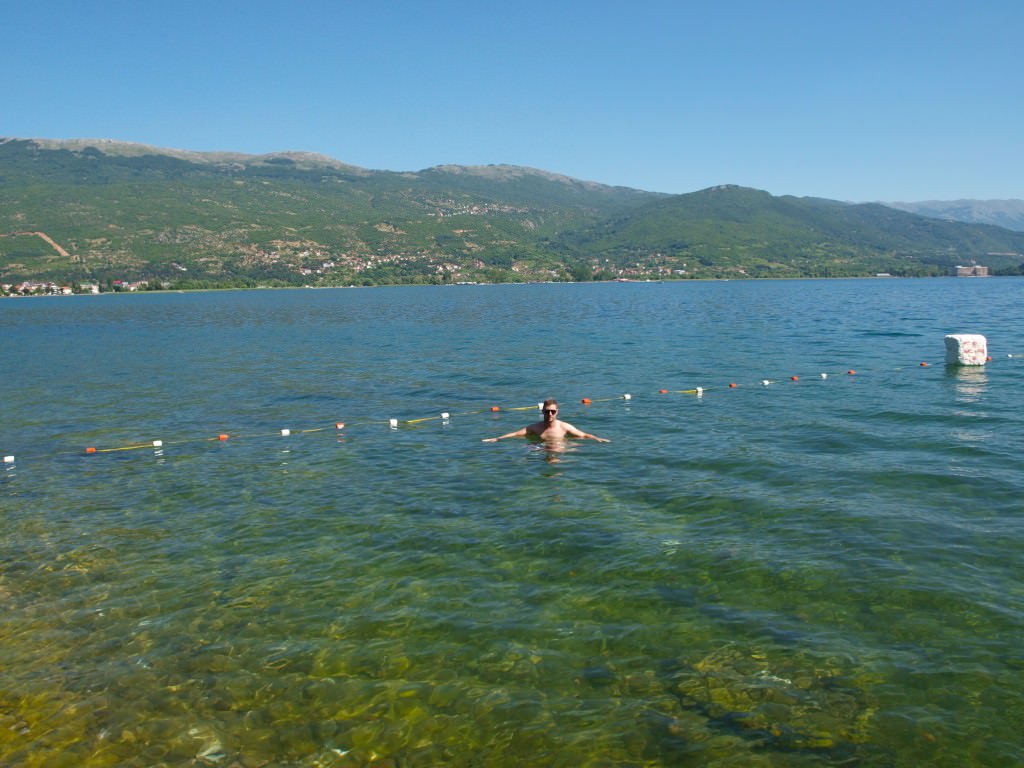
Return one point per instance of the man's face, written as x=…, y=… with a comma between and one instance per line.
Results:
x=550, y=413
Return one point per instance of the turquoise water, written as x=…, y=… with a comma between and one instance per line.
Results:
x=820, y=572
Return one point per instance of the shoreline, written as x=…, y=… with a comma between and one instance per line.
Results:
x=745, y=279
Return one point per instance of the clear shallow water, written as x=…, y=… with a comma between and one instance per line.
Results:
x=814, y=573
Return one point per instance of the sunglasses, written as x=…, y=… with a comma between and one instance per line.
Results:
x=550, y=410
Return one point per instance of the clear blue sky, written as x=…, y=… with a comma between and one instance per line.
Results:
x=858, y=100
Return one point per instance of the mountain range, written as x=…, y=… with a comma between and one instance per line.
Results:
x=113, y=213
x=1001, y=213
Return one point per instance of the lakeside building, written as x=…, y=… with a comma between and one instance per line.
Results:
x=975, y=270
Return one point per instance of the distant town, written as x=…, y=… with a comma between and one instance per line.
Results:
x=53, y=289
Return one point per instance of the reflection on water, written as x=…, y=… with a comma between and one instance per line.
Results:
x=553, y=449
x=816, y=572
x=970, y=381
x=972, y=421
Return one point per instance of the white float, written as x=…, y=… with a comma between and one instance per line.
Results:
x=966, y=349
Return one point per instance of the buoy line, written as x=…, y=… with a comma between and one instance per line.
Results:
x=445, y=418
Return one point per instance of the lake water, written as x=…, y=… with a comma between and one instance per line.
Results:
x=811, y=572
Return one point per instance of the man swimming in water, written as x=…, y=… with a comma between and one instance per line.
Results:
x=550, y=429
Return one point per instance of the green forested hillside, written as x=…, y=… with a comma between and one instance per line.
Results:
x=276, y=219
x=746, y=231
x=100, y=212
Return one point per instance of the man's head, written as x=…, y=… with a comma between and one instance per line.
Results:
x=550, y=409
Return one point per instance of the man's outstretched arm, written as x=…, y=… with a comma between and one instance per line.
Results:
x=571, y=430
x=517, y=433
